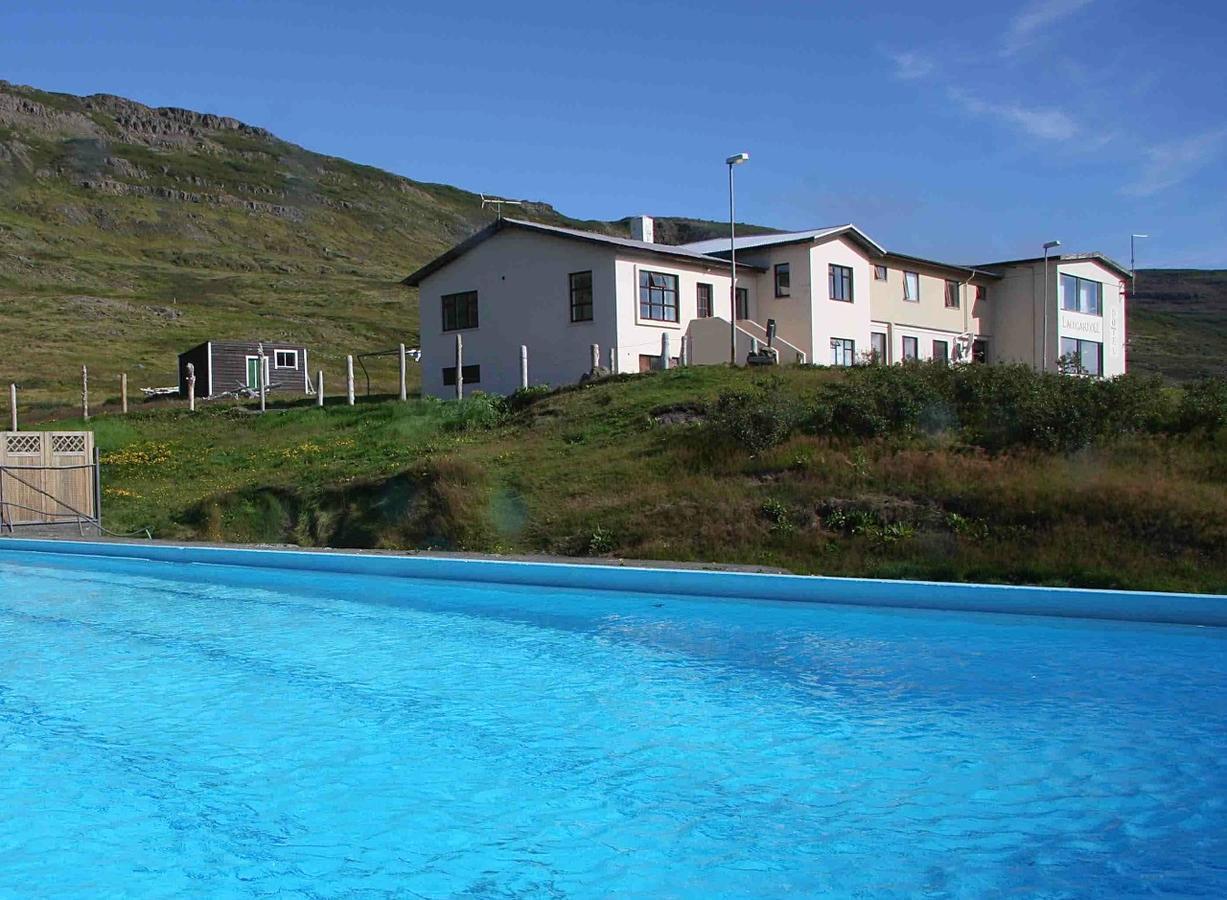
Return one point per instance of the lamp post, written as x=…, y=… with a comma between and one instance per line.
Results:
x=734, y=160
x=1133, y=275
x=1048, y=245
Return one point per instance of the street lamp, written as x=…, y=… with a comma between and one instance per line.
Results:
x=1048, y=245
x=734, y=160
x=1133, y=276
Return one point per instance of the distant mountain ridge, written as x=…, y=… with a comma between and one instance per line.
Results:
x=129, y=232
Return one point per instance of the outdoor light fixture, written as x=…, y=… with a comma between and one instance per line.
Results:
x=734, y=160
x=1048, y=245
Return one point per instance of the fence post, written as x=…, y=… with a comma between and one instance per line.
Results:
x=123, y=392
x=664, y=350
x=263, y=378
x=349, y=380
x=404, y=390
x=459, y=368
x=613, y=361
x=191, y=387
x=523, y=366
x=85, y=393
x=13, y=406
x=683, y=356
x=319, y=389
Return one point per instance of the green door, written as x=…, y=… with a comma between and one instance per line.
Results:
x=253, y=372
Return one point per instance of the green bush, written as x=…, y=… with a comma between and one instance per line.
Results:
x=477, y=412
x=1203, y=407
x=526, y=397
x=756, y=419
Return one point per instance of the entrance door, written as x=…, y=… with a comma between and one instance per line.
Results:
x=253, y=372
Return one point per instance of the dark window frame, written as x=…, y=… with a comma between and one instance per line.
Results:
x=953, y=300
x=981, y=293
x=471, y=372
x=1078, y=282
x=979, y=351
x=783, y=287
x=844, y=281
x=656, y=296
x=903, y=355
x=844, y=348
x=704, y=306
x=876, y=356
x=579, y=306
x=945, y=354
x=1078, y=355
x=742, y=302
x=459, y=322
x=881, y=273
x=906, y=298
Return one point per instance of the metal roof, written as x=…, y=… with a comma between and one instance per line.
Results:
x=752, y=241
x=681, y=253
x=1108, y=261
x=937, y=264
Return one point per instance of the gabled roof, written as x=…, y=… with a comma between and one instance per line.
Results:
x=720, y=246
x=1106, y=261
x=665, y=250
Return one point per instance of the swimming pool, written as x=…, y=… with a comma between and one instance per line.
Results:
x=203, y=730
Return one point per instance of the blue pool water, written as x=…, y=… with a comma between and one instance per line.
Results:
x=188, y=730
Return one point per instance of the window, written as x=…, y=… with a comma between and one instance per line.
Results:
x=472, y=375
x=657, y=296
x=1080, y=357
x=783, y=280
x=952, y=295
x=911, y=348
x=979, y=351
x=981, y=293
x=941, y=351
x=285, y=359
x=703, y=300
x=459, y=311
x=843, y=352
x=879, y=273
x=581, y=296
x=911, y=287
x=743, y=303
x=877, y=347
x=650, y=362
x=841, y=283
x=1081, y=295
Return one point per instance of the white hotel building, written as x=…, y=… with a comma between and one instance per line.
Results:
x=836, y=297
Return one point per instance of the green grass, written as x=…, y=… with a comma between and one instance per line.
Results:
x=593, y=471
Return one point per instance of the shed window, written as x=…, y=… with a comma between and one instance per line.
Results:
x=460, y=311
x=472, y=375
x=285, y=359
x=581, y=296
x=657, y=296
x=911, y=287
x=783, y=280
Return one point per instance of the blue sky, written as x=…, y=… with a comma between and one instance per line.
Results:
x=968, y=131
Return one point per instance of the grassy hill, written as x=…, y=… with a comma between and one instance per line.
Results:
x=1178, y=323
x=980, y=473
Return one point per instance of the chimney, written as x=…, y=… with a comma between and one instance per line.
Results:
x=642, y=229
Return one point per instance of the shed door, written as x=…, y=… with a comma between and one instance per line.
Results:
x=253, y=372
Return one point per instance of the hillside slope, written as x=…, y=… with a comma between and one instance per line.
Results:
x=1178, y=323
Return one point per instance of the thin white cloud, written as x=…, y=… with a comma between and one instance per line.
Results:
x=1047, y=123
x=1170, y=163
x=1037, y=15
x=910, y=65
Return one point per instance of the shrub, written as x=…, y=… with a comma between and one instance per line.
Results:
x=476, y=412
x=755, y=419
x=526, y=397
x=1203, y=406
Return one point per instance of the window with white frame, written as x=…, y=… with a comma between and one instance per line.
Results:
x=911, y=287
x=843, y=352
x=285, y=359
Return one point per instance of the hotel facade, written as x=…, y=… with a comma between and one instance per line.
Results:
x=830, y=296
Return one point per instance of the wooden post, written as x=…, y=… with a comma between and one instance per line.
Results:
x=13, y=406
x=459, y=368
x=523, y=365
x=123, y=392
x=191, y=387
x=349, y=380
x=613, y=361
x=263, y=378
x=664, y=350
x=85, y=393
x=319, y=388
x=404, y=390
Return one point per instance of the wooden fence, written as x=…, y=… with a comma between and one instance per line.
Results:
x=48, y=477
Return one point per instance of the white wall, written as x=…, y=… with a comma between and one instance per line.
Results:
x=793, y=314
x=1108, y=329
x=836, y=318
x=523, y=298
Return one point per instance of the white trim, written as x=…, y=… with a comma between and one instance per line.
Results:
x=306, y=373
x=247, y=358
x=277, y=365
x=209, y=366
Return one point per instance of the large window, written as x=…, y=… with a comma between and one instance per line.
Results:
x=581, y=296
x=941, y=351
x=1081, y=295
x=911, y=348
x=879, y=273
x=743, y=303
x=472, y=375
x=783, y=280
x=1081, y=357
x=459, y=311
x=911, y=287
x=843, y=352
x=657, y=296
x=841, y=283
x=877, y=347
x=952, y=295
x=703, y=300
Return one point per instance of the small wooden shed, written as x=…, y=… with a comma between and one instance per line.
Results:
x=223, y=366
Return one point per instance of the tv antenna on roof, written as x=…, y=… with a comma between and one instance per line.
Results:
x=498, y=203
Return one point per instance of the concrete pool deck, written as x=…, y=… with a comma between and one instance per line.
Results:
x=671, y=579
